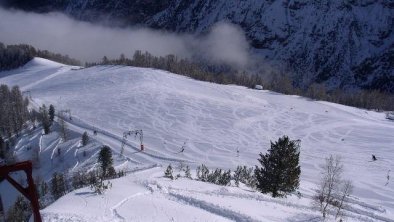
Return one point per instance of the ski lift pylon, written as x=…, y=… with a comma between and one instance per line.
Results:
x=137, y=133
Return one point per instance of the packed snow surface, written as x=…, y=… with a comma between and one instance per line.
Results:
x=210, y=122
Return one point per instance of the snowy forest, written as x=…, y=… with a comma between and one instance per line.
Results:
x=13, y=110
x=14, y=56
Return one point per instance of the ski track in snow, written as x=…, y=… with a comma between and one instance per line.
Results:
x=113, y=209
x=215, y=209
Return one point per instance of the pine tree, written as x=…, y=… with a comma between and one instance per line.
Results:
x=44, y=118
x=168, y=172
x=202, y=173
x=280, y=171
x=51, y=113
x=43, y=189
x=78, y=180
x=58, y=185
x=13, y=110
x=111, y=173
x=105, y=160
x=104, y=61
x=214, y=176
x=85, y=138
x=187, y=173
x=20, y=211
x=225, y=178
x=238, y=175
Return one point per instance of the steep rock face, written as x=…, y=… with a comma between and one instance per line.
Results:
x=321, y=41
x=342, y=43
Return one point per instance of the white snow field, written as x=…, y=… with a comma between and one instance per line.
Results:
x=211, y=122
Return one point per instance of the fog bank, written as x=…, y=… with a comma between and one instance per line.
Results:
x=225, y=43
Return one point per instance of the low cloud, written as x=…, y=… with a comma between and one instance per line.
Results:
x=224, y=43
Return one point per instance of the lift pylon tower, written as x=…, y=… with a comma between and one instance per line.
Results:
x=30, y=191
x=136, y=133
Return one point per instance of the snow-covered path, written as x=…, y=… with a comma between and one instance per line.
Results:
x=212, y=121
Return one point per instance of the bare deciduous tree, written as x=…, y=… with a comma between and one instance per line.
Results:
x=346, y=190
x=333, y=191
x=63, y=127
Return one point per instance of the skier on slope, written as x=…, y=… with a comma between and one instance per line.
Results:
x=373, y=158
x=388, y=178
x=183, y=147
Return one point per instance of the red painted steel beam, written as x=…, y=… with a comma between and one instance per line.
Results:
x=30, y=191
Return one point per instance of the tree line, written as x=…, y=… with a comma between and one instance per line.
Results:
x=276, y=81
x=13, y=110
x=14, y=56
x=222, y=74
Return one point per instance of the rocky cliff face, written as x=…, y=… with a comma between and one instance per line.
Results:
x=342, y=43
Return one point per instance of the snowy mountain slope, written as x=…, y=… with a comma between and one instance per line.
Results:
x=213, y=121
x=320, y=41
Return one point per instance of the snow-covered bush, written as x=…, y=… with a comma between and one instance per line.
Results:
x=202, y=173
x=187, y=172
x=244, y=175
x=100, y=186
x=168, y=172
x=219, y=176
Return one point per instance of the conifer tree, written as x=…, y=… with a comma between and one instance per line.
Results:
x=238, y=175
x=225, y=178
x=44, y=118
x=85, y=138
x=43, y=189
x=187, y=172
x=20, y=211
x=105, y=160
x=51, y=113
x=58, y=185
x=202, y=173
x=168, y=172
x=280, y=171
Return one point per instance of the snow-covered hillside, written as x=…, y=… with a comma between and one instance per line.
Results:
x=211, y=121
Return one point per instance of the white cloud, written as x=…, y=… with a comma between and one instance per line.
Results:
x=89, y=42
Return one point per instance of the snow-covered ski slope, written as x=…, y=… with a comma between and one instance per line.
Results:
x=211, y=122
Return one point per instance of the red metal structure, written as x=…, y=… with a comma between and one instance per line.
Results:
x=30, y=191
x=129, y=133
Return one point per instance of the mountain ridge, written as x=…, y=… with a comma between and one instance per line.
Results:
x=328, y=42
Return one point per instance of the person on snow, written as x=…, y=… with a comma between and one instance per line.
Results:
x=374, y=157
